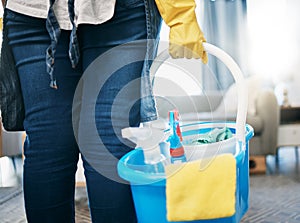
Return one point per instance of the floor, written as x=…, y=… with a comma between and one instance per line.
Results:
x=287, y=165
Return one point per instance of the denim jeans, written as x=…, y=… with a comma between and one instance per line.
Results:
x=51, y=150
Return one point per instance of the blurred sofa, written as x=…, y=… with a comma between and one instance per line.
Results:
x=262, y=115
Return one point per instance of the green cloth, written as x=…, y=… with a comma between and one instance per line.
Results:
x=215, y=135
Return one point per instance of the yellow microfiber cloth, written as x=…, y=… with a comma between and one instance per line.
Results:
x=202, y=189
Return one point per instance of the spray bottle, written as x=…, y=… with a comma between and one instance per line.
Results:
x=176, y=120
x=176, y=148
x=148, y=139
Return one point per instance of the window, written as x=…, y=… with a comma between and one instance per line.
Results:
x=273, y=38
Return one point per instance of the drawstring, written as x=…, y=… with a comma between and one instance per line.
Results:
x=73, y=46
x=54, y=33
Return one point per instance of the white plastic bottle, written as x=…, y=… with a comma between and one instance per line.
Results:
x=148, y=139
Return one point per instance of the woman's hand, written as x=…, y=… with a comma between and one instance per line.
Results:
x=186, y=37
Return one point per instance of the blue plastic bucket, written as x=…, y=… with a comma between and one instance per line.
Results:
x=149, y=185
x=149, y=190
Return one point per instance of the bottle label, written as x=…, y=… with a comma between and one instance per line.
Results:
x=177, y=152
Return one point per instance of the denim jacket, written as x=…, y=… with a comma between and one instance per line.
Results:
x=148, y=107
x=153, y=24
x=11, y=99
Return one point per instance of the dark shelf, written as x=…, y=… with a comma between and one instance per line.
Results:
x=289, y=115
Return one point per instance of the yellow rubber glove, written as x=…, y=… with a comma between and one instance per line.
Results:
x=185, y=36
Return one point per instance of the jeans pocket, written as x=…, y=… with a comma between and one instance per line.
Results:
x=20, y=19
x=130, y=3
x=9, y=14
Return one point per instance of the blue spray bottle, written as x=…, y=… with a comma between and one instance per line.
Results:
x=176, y=147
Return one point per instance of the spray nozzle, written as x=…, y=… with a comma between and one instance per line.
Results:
x=147, y=139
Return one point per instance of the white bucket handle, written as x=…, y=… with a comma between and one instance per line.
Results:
x=242, y=91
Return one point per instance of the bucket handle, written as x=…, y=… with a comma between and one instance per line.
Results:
x=242, y=90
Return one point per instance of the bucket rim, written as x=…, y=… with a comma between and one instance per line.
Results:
x=137, y=177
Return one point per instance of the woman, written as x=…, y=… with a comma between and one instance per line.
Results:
x=54, y=45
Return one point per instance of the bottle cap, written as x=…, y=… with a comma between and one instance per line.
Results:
x=175, y=115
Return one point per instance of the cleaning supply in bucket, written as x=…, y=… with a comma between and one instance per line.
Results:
x=215, y=135
x=148, y=139
x=176, y=147
x=204, y=193
x=176, y=118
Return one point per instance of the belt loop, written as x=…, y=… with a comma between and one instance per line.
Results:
x=73, y=46
x=54, y=33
